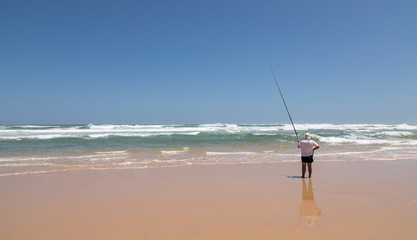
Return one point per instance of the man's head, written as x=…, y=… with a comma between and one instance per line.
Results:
x=307, y=136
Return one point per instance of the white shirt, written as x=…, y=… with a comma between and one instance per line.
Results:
x=307, y=147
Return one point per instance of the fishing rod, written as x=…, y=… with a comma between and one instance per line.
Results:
x=282, y=97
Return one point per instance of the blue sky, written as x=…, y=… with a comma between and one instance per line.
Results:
x=71, y=62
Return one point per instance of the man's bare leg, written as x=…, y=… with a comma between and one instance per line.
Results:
x=303, y=169
x=310, y=170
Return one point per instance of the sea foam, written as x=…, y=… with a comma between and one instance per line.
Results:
x=40, y=148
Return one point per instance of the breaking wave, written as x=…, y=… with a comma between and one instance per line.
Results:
x=26, y=149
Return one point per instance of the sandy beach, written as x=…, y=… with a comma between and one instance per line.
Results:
x=343, y=200
x=185, y=120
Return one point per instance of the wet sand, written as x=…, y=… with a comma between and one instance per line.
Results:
x=343, y=200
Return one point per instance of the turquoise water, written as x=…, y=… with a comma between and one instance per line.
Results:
x=38, y=148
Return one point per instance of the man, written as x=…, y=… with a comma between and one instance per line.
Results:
x=308, y=147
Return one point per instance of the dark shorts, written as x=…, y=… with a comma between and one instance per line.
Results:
x=308, y=159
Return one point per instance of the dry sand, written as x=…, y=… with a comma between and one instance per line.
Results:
x=343, y=200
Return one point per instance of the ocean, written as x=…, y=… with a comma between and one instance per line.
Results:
x=31, y=149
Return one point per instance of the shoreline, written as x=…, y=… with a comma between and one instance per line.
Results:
x=197, y=164
x=36, y=148
x=246, y=201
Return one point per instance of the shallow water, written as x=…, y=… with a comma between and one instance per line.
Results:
x=26, y=149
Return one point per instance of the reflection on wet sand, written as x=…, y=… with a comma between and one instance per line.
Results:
x=309, y=210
